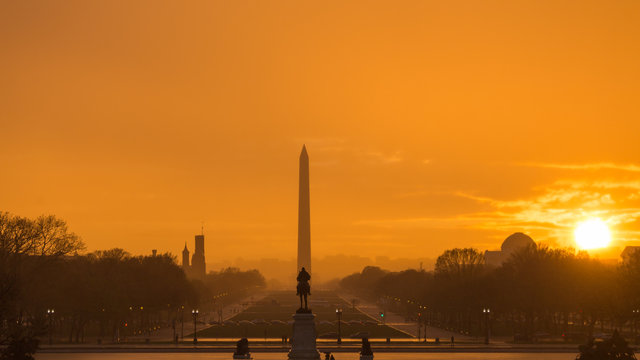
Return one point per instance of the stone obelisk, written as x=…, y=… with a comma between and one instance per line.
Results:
x=304, y=227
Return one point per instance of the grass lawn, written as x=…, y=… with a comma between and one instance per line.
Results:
x=277, y=309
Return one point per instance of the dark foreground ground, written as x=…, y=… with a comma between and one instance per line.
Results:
x=229, y=347
x=282, y=356
x=267, y=320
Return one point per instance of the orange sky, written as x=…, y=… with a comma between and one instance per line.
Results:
x=429, y=125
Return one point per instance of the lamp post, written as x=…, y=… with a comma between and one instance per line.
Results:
x=419, y=325
x=425, y=326
x=339, y=314
x=131, y=331
x=141, y=319
x=173, y=326
x=194, y=312
x=182, y=322
x=50, y=313
x=486, y=312
x=634, y=324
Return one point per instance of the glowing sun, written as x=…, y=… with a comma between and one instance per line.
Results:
x=592, y=234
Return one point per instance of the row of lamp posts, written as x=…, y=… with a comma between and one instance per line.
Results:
x=485, y=311
x=194, y=313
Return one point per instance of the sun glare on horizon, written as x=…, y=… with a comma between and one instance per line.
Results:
x=592, y=234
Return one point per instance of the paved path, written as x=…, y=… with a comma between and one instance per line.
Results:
x=409, y=327
x=228, y=311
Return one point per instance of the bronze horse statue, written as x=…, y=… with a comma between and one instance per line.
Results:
x=303, y=288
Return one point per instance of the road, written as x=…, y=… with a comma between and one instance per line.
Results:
x=167, y=333
x=409, y=327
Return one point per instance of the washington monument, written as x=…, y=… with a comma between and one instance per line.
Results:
x=304, y=228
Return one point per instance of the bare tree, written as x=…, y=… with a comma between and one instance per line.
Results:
x=52, y=238
x=21, y=241
x=459, y=262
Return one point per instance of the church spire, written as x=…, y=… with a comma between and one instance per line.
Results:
x=185, y=259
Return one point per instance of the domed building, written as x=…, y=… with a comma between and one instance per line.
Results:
x=510, y=245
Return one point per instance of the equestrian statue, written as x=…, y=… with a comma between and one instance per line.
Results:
x=304, y=289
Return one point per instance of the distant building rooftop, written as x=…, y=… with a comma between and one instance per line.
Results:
x=511, y=244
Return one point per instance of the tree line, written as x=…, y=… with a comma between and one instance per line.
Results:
x=537, y=292
x=50, y=287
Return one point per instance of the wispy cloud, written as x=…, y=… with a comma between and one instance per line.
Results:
x=588, y=166
x=427, y=222
x=493, y=202
x=385, y=158
x=600, y=184
x=551, y=214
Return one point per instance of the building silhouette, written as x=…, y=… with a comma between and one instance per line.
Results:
x=510, y=245
x=197, y=269
x=185, y=260
x=304, y=227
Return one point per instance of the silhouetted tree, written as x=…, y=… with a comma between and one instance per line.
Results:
x=365, y=281
x=537, y=290
x=458, y=274
x=615, y=348
x=25, y=246
x=106, y=293
x=459, y=263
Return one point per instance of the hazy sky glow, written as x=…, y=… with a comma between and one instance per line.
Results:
x=429, y=125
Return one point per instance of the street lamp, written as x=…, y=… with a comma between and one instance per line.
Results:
x=194, y=312
x=424, y=320
x=419, y=325
x=141, y=319
x=131, y=331
x=50, y=313
x=486, y=313
x=339, y=314
x=182, y=322
x=634, y=324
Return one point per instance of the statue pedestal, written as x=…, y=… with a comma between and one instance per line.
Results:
x=247, y=356
x=303, y=342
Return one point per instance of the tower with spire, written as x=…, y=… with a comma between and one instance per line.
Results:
x=197, y=269
x=198, y=266
x=185, y=259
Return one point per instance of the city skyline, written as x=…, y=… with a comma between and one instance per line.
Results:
x=432, y=125
x=429, y=178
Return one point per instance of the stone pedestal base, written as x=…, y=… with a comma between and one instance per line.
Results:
x=238, y=357
x=303, y=342
x=366, y=357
